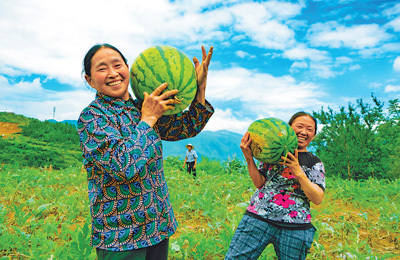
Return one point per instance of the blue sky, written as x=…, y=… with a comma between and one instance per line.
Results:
x=271, y=58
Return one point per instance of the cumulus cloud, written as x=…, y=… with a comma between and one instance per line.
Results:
x=226, y=119
x=334, y=35
x=392, y=88
x=262, y=93
x=298, y=66
x=354, y=67
x=265, y=26
x=317, y=62
x=31, y=99
x=243, y=54
x=302, y=52
x=394, y=24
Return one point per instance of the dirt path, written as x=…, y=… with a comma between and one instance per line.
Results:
x=7, y=129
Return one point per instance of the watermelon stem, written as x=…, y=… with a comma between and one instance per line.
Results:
x=287, y=152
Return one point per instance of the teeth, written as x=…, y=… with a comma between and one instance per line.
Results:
x=114, y=83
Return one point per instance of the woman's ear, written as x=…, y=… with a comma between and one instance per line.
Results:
x=89, y=80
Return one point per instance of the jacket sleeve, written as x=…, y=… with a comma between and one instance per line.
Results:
x=121, y=156
x=184, y=125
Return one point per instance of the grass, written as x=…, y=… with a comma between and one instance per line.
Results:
x=44, y=214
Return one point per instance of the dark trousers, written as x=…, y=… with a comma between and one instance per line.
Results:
x=156, y=252
x=190, y=168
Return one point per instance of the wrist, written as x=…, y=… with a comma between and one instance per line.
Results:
x=150, y=120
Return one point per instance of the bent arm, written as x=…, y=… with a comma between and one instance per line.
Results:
x=255, y=175
x=312, y=190
x=184, y=125
x=104, y=146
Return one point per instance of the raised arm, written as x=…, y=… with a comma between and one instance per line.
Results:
x=256, y=177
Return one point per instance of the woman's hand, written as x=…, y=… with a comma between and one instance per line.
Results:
x=201, y=73
x=245, y=146
x=157, y=103
x=312, y=190
x=292, y=161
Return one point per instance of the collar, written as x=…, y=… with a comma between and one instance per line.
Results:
x=116, y=103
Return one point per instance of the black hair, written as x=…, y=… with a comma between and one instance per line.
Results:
x=87, y=61
x=302, y=113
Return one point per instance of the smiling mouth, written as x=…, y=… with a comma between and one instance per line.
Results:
x=114, y=83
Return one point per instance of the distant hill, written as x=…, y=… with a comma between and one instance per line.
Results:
x=220, y=145
x=72, y=122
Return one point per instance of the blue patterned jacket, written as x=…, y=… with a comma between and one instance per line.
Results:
x=128, y=194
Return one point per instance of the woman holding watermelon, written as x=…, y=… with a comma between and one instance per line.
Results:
x=120, y=138
x=279, y=211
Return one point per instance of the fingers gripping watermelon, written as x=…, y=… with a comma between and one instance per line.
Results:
x=271, y=139
x=160, y=64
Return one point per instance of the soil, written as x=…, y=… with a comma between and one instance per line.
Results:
x=8, y=129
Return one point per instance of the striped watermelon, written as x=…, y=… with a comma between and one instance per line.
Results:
x=160, y=64
x=271, y=139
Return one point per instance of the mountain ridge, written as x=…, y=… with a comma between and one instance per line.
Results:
x=219, y=145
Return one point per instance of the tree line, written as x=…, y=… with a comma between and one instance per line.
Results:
x=360, y=141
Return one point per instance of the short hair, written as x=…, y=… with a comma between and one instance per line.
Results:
x=302, y=113
x=87, y=61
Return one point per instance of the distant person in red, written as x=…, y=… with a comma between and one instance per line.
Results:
x=190, y=160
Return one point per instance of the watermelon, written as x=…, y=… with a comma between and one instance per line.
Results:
x=271, y=139
x=160, y=64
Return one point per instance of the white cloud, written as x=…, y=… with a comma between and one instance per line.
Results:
x=298, y=66
x=354, y=67
x=22, y=90
x=225, y=119
x=318, y=62
x=396, y=64
x=262, y=93
x=343, y=60
x=264, y=23
x=302, y=52
x=375, y=85
x=335, y=35
x=243, y=54
x=380, y=51
x=394, y=24
x=32, y=100
x=50, y=37
x=394, y=10
x=392, y=88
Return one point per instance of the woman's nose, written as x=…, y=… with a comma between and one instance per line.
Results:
x=113, y=72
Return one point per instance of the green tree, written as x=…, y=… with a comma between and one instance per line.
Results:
x=389, y=138
x=348, y=144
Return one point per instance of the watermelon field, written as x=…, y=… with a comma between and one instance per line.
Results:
x=44, y=214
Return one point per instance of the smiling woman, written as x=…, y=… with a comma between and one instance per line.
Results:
x=106, y=70
x=120, y=138
x=279, y=211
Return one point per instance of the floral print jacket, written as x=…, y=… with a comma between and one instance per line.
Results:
x=281, y=198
